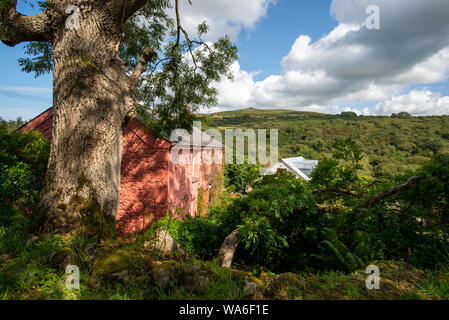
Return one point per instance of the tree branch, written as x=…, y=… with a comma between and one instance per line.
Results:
x=148, y=55
x=124, y=9
x=228, y=248
x=181, y=30
x=410, y=183
x=16, y=28
x=337, y=190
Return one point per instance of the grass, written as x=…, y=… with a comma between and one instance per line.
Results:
x=28, y=276
x=436, y=284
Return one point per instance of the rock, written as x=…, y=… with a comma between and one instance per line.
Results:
x=121, y=275
x=196, y=278
x=167, y=274
x=166, y=244
x=4, y=258
x=228, y=248
x=61, y=258
x=276, y=288
x=288, y=277
x=252, y=284
x=113, y=265
x=31, y=240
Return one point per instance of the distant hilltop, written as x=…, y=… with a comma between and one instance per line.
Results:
x=345, y=114
x=391, y=144
x=252, y=111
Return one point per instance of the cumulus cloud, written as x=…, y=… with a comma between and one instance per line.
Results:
x=224, y=17
x=353, y=64
x=236, y=92
x=416, y=102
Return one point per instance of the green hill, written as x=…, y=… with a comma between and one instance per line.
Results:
x=392, y=145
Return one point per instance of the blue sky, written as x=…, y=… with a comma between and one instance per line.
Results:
x=263, y=48
x=15, y=81
x=302, y=55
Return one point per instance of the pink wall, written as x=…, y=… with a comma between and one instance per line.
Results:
x=144, y=175
x=151, y=184
x=180, y=184
x=184, y=193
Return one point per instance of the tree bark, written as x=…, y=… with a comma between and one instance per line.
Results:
x=93, y=99
x=16, y=28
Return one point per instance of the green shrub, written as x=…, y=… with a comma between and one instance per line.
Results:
x=402, y=115
x=18, y=182
x=197, y=235
x=237, y=176
x=13, y=229
x=23, y=163
x=267, y=217
x=348, y=114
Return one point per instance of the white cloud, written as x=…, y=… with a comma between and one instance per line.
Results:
x=416, y=102
x=28, y=89
x=353, y=65
x=223, y=16
x=236, y=92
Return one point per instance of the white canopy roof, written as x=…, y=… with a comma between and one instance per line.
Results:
x=301, y=167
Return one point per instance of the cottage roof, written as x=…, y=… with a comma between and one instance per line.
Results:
x=194, y=139
x=298, y=165
x=183, y=138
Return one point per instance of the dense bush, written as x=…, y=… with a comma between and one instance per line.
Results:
x=13, y=229
x=402, y=115
x=348, y=114
x=268, y=217
x=23, y=163
x=197, y=235
x=238, y=176
x=288, y=224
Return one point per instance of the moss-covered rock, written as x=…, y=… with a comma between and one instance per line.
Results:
x=167, y=274
x=166, y=245
x=278, y=288
x=112, y=265
x=60, y=258
x=251, y=284
x=4, y=258
x=197, y=278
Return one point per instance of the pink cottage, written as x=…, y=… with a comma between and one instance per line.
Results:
x=151, y=183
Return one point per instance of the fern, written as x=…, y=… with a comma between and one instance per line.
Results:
x=334, y=253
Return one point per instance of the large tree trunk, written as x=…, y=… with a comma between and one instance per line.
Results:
x=92, y=101
x=93, y=98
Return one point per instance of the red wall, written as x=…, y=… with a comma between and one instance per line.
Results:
x=144, y=178
x=180, y=184
x=42, y=123
x=151, y=184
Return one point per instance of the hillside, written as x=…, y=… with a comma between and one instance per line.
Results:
x=392, y=145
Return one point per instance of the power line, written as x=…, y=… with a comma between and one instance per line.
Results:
x=24, y=96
